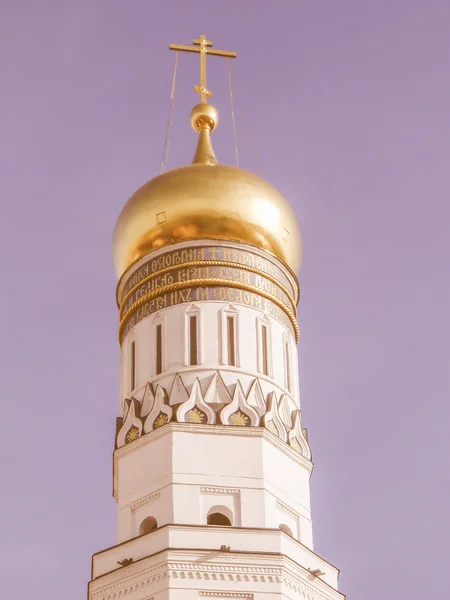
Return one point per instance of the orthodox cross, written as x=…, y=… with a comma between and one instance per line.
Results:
x=203, y=47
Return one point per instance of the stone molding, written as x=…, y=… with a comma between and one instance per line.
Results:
x=198, y=566
x=288, y=511
x=228, y=430
x=145, y=500
x=225, y=595
x=218, y=491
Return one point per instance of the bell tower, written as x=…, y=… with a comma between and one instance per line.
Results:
x=212, y=464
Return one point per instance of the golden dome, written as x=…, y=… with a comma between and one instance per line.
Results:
x=206, y=200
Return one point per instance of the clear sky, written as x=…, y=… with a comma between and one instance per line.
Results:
x=348, y=106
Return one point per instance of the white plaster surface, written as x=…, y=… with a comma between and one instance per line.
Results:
x=180, y=472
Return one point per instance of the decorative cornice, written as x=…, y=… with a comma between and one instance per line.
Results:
x=226, y=430
x=267, y=569
x=157, y=409
x=218, y=491
x=288, y=510
x=145, y=500
x=226, y=595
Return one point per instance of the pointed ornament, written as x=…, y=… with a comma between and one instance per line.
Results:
x=132, y=426
x=297, y=438
x=195, y=409
x=239, y=412
x=147, y=400
x=178, y=393
x=217, y=393
x=255, y=398
x=161, y=412
x=272, y=420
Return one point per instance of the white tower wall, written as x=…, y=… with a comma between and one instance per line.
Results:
x=210, y=424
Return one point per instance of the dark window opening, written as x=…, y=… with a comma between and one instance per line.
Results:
x=218, y=519
x=288, y=368
x=231, y=342
x=265, y=350
x=149, y=524
x=133, y=365
x=193, y=352
x=158, y=349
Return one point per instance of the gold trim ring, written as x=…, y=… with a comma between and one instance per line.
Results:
x=210, y=263
x=211, y=282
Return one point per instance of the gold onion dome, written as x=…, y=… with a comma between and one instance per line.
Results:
x=206, y=200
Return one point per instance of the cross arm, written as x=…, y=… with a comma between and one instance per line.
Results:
x=194, y=49
x=184, y=48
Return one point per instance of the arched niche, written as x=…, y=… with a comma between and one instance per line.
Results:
x=286, y=529
x=148, y=524
x=220, y=515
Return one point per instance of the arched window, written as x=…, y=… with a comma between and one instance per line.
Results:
x=218, y=518
x=193, y=336
x=132, y=365
x=158, y=353
x=229, y=317
x=149, y=524
x=286, y=529
x=264, y=342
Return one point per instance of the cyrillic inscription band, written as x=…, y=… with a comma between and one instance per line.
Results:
x=177, y=258
x=197, y=294
x=179, y=274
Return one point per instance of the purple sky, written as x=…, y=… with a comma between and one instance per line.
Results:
x=348, y=104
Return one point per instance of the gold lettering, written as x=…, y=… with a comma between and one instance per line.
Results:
x=249, y=259
x=184, y=295
x=183, y=275
x=161, y=302
x=238, y=296
x=202, y=293
x=227, y=254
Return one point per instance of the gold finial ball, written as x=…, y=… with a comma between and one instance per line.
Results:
x=204, y=116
